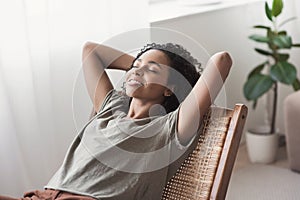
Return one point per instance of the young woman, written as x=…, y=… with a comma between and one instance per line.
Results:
x=125, y=150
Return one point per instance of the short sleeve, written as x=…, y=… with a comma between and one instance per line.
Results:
x=173, y=122
x=114, y=100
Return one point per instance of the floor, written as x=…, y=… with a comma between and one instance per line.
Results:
x=273, y=181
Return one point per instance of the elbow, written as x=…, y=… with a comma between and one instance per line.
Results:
x=225, y=59
x=223, y=62
x=89, y=45
x=88, y=49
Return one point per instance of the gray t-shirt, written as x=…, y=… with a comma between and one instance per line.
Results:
x=114, y=157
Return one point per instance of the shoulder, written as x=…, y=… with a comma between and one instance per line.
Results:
x=169, y=120
x=114, y=99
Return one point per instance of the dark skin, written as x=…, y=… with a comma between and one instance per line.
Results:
x=148, y=88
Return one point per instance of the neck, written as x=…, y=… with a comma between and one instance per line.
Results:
x=141, y=109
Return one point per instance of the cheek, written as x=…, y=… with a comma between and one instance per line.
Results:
x=156, y=88
x=156, y=83
x=165, y=78
x=161, y=79
x=127, y=74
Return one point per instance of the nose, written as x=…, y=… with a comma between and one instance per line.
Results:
x=138, y=71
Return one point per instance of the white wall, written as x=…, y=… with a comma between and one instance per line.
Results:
x=228, y=29
x=43, y=100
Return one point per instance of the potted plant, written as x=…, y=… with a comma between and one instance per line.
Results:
x=266, y=76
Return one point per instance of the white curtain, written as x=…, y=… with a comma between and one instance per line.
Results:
x=40, y=59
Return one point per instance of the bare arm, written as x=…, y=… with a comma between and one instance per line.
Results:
x=95, y=59
x=202, y=95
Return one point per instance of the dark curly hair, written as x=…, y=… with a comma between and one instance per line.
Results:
x=187, y=71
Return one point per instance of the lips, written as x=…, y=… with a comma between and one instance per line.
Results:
x=135, y=82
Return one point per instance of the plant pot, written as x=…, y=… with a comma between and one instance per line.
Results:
x=292, y=127
x=261, y=147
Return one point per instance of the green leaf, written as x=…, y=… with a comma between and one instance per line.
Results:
x=283, y=72
x=296, y=84
x=283, y=57
x=262, y=26
x=283, y=41
x=257, y=70
x=256, y=86
x=268, y=11
x=296, y=45
x=282, y=33
x=277, y=7
x=259, y=38
x=263, y=52
x=286, y=21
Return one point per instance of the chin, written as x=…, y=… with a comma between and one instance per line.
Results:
x=132, y=92
x=129, y=94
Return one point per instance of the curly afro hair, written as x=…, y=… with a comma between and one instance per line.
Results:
x=186, y=72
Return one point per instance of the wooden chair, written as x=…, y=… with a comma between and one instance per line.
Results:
x=206, y=172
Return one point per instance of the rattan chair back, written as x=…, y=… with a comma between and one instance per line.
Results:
x=206, y=171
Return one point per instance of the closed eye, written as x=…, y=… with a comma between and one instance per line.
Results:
x=152, y=70
x=148, y=68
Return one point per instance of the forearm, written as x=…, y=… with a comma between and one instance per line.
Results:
x=110, y=58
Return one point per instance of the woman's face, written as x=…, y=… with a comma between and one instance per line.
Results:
x=149, y=76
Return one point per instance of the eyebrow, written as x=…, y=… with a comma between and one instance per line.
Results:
x=150, y=62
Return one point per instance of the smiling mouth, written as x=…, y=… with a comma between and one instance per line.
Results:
x=135, y=82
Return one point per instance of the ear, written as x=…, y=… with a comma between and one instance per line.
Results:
x=169, y=91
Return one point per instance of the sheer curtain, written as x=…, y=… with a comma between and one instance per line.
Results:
x=40, y=58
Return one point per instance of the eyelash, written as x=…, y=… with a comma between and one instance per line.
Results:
x=153, y=71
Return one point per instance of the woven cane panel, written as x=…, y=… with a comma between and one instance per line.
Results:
x=194, y=179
